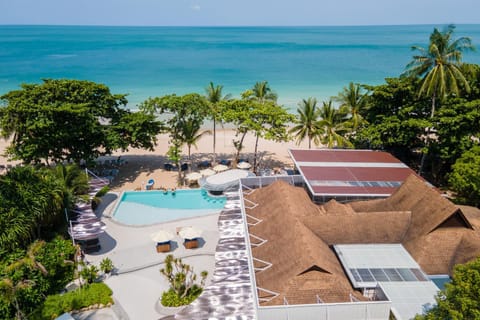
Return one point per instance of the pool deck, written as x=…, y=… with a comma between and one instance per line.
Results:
x=137, y=284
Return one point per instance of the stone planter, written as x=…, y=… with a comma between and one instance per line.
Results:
x=167, y=311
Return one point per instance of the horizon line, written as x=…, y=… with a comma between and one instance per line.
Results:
x=235, y=26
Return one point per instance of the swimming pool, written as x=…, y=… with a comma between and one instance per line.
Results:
x=149, y=207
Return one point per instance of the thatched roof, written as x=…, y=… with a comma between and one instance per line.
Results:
x=436, y=233
x=292, y=249
x=370, y=227
x=333, y=207
x=429, y=209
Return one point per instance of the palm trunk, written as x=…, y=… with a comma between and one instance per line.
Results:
x=309, y=143
x=189, y=159
x=214, y=140
x=239, y=147
x=427, y=138
x=255, y=155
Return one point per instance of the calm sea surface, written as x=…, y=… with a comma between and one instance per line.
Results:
x=298, y=62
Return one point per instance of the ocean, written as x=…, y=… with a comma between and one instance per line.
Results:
x=298, y=62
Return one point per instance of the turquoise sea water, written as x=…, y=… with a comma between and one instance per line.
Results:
x=148, y=207
x=298, y=62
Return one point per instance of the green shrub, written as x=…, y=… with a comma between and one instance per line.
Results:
x=183, y=282
x=102, y=192
x=171, y=299
x=89, y=273
x=106, y=265
x=55, y=305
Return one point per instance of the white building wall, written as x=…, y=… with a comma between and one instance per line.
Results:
x=328, y=311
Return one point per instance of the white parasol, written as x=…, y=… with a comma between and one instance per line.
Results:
x=244, y=165
x=162, y=236
x=190, y=233
x=207, y=172
x=220, y=168
x=193, y=176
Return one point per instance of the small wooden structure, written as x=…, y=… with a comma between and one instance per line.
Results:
x=191, y=243
x=163, y=247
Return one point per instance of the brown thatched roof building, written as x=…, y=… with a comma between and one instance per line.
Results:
x=300, y=234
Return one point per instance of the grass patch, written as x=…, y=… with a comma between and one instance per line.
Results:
x=55, y=305
x=171, y=299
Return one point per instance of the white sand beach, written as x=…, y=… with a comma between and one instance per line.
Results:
x=142, y=165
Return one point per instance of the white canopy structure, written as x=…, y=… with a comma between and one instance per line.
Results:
x=225, y=180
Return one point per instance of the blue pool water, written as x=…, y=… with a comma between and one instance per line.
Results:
x=149, y=207
x=440, y=280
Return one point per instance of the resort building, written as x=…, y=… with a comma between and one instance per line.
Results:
x=372, y=259
x=347, y=175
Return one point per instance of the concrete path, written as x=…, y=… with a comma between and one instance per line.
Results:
x=138, y=284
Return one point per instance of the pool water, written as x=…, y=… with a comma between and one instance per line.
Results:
x=440, y=280
x=150, y=207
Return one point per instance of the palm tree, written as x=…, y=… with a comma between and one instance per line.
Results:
x=440, y=66
x=334, y=125
x=190, y=134
x=353, y=98
x=307, y=124
x=261, y=92
x=214, y=96
x=10, y=289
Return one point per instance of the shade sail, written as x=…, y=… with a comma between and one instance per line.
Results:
x=224, y=180
x=220, y=168
x=207, y=172
x=162, y=236
x=193, y=176
x=244, y=165
x=190, y=232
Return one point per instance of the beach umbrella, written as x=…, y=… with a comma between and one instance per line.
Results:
x=207, y=172
x=220, y=168
x=193, y=176
x=190, y=233
x=162, y=236
x=244, y=165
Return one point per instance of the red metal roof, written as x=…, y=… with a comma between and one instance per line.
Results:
x=343, y=156
x=350, y=172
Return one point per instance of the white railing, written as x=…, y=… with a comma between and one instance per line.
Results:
x=249, y=192
x=252, y=205
x=262, y=241
x=273, y=293
x=257, y=221
x=260, y=269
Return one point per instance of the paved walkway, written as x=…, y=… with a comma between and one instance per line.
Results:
x=138, y=284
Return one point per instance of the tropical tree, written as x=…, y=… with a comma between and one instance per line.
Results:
x=10, y=290
x=465, y=177
x=440, y=66
x=459, y=299
x=185, y=116
x=214, y=95
x=307, y=122
x=353, y=98
x=334, y=126
x=70, y=119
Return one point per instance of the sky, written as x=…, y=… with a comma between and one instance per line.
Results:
x=238, y=12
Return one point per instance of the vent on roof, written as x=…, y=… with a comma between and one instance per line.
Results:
x=387, y=274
